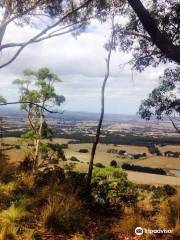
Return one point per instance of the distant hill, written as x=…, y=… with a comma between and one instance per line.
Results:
x=71, y=116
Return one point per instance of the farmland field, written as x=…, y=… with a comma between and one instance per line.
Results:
x=105, y=158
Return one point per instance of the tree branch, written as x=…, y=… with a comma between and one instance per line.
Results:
x=158, y=38
x=35, y=38
x=55, y=33
x=174, y=125
x=21, y=14
x=28, y=102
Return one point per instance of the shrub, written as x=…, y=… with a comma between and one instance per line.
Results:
x=13, y=214
x=83, y=150
x=49, y=177
x=26, y=165
x=154, y=150
x=112, y=150
x=74, y=159
x=111, y=187
x=99, y=165
x=113, y=163
x=122, y=152
x=63, y=214
x=163, y=191
x=169, y=190
x=133, y=167
x=108, y=173
x=69, y=167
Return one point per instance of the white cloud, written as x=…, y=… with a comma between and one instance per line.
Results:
x=80, y=63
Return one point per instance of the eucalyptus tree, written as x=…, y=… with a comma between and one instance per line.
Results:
x=164, y=101
x=151, y=30
x=37, y=93
x=109, y=46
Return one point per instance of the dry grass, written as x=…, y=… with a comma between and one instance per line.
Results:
x=105, y=158
x=155, y=179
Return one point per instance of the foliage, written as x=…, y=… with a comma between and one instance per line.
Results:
x=133, y=167
x=99, y=165
x=56, y=205
x=113, y=163
x=37, y=92
x=112, y=150
x=111, y=187
x=69, y=167
x=169, y=190
x=26, y=165
x=154, y=150
x=52, y=152
x=74, y=159
x=164, y=191
x=163, y=100
x=49, y=176
x=133, y=37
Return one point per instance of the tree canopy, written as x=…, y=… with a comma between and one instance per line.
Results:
x=165, y=99
x=151, y=32
x=38, y=87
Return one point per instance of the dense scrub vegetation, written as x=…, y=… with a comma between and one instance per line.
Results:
x=53, y=202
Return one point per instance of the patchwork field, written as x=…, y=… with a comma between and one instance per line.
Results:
x=105, y=158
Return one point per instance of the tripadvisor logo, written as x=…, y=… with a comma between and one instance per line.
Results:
x=139, y=231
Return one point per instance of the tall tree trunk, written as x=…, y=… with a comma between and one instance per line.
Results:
x=5, y=17
x=38, y=141
x=98, y=131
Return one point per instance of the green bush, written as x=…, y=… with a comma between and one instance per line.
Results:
x=99, y=165
x=113, y=163
x=74, y=159
x=111, y=187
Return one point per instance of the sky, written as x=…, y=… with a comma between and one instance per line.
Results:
x=80, y=64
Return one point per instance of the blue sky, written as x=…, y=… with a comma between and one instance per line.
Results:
x=80, y=63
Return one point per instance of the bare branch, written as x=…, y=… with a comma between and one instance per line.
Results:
x=28, y=102
x=36, y=37
x=174, y=125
